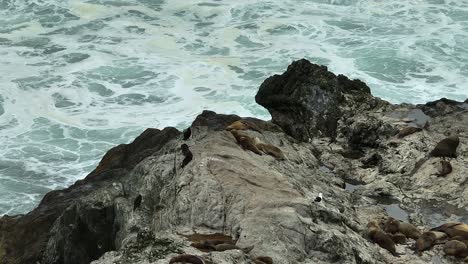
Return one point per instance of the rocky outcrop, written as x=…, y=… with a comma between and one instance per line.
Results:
x=337, y=139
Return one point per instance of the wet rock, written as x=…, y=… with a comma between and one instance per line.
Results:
x=305, y=100
x=257, y=200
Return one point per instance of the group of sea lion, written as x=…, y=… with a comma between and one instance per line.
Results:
x=253, y=144
x=454, y=236
x=215, y=242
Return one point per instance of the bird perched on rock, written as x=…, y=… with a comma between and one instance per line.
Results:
x=187, y=154
x=319, y=198
x=137, y=202
x=447, y=147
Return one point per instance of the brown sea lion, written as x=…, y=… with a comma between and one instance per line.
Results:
x=398, y=238
x=269, y=149
x=186, y=258
x=187, y=154
x=243, y=125
x=263, y=260
x=224, y=247
x=204, y=246
x=447, y=147
x=460, y=238
x=381, y=238
x=246, y=142
x=443, y=168
x=407, y=229
x=137, y=202
x=456, y=248
x=391, y=225
x=427, y=240
x=406, y=131
x=453, y=229
x=187, y=133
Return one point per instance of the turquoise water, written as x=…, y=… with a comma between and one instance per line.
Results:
x=78, y=77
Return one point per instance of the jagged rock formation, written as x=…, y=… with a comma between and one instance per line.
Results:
x=331, y=130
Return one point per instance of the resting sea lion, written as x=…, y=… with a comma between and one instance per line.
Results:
x=408, y=131
x=187, y=154
x=187, y=133
x=269, y=149
x=447, y=147
x=456, y=248
x=246, y=142
x=381, y=238
x=427, y=240
x=392, y=225
x=243, y=125
x=186, y=258
x=263, y=260
x=398, y=238
x=453, y=229
x=444, y=167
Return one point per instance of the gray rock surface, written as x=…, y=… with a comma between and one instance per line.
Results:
x=337, y=139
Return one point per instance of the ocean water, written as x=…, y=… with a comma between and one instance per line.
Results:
x=78, y=77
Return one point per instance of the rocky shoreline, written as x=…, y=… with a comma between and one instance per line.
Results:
x=140, y=206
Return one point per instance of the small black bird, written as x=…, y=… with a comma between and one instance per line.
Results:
x=187, y=154
x=319, y=198
x=137, y=202
x=187, y=133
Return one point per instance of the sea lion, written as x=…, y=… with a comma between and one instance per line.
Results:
x=460, y=238
x=269, y=149
x=204, y=245
x=187, y=154
x=427, y=240
x=263, y=260
x=456, y=248
x=443, y=168
x=381, y=238
x=225, y=246
x=453, y=229
x=447, y=147
x=243, y=125
x=392, y=226
x=398, y=238
x=186, y=258
x=406, y=131
x=246, y=142
x=187, y=133
x=137, y=202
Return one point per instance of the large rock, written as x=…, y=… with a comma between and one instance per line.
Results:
x=307, y=100
x=332, y=133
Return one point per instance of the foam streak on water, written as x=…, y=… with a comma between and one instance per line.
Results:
x=78, y=77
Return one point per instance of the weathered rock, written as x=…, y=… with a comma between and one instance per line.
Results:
x=305, y=100
x=257, y=200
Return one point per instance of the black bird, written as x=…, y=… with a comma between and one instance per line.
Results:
x=319, y=198
x=447, y=147
x=187, y=154
x=187, y=133
x=137, y=202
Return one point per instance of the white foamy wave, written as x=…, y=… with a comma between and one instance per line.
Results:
x=79, y=77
